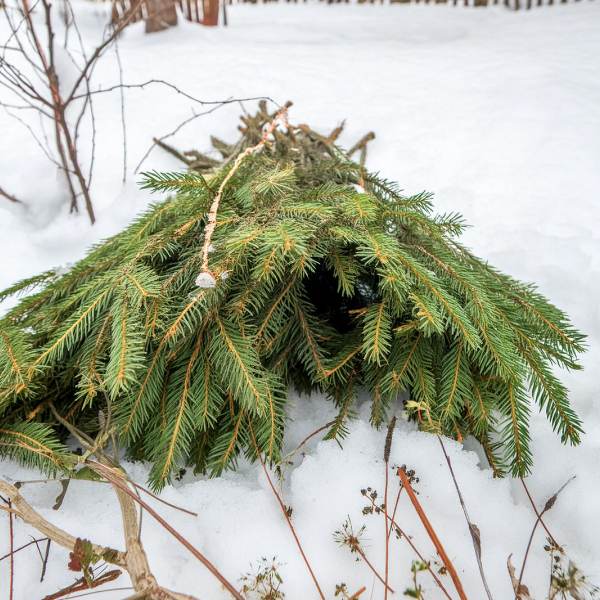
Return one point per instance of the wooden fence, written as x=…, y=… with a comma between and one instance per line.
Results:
x=203, y=11
x=511, y=4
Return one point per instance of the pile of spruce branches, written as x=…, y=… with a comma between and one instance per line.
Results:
x=326, y=278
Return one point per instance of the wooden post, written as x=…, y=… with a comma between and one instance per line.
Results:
x=211, y=12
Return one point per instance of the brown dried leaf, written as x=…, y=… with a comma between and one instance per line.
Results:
x=77, y=556
x=521, y=591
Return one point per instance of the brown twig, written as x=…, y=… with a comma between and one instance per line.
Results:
x=287, y=457
x=81, y=584
x=326, y=426
x=537, y=514
x=357, y=594
x=364, y=557
x=143, y=489
x=284, y=511
x=433, y=536
x=22, y=548
x=45, y=560
x=473, y=529
x=395, y=510
x=9, y=197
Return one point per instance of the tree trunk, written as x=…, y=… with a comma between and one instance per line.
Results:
x=161, y=15
x=211, y=12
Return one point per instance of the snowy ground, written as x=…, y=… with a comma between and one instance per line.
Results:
x=496, y=112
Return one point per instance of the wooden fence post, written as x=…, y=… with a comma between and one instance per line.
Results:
x=210, y=9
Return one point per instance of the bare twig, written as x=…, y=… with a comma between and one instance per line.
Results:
x=82, y=584
x=9, y=197
x=100, y=49
x=285, y=460
x=22, y=548
x=473, y=529
x=386, y=458
x=537, y=514
x=395, y=510
x=381, y=579
x=119, y=589
x=123, y=126
x=45, y=559
x=12, y=553
x=548, y=506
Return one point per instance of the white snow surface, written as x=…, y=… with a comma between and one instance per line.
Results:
x=496, y=112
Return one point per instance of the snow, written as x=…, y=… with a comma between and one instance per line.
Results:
x=496, y=112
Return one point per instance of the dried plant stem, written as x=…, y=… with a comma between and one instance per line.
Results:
x=364, y=557
x=386, y=458
x=81, y=584
x=45, y=560
x=136, y=485
x=473, y=529
x=387, y=537
x=283, y=509
x=393, y=524
x=21, y=548
x=357, y=594
x=9, y=196
x=434, y=538
x=212, y=214
x=537, y=514
x=326, y=426
x=549, y=504
x=394, y=513
x=287, y=457
x=12, y=553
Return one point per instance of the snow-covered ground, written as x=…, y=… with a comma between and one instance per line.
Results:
x=496, y=112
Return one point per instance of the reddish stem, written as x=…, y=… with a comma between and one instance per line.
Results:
x=434, y=538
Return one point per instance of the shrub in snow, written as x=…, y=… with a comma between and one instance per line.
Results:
x=322, y=276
